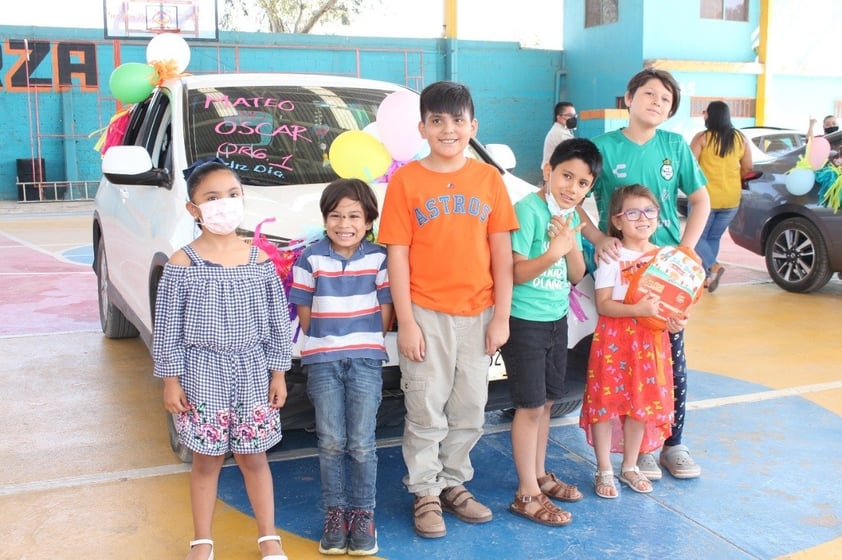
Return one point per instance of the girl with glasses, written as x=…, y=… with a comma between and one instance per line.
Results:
x=628, y=404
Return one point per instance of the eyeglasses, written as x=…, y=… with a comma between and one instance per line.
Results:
x=568, y=115
x=635, y=214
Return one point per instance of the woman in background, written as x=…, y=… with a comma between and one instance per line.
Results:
x=724, y=156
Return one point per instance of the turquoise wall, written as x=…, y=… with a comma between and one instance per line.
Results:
x=601, y=59
x=676, y=30
x=54, y=103
x=803, y=74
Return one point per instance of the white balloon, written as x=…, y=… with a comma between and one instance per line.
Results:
x=166, y=47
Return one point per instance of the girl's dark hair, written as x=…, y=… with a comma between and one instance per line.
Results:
x=718, y=123
x=639, y=79
x=446, y=97
x=353, y=189
x=578, y=148
x=615, y=205
x=197, y=173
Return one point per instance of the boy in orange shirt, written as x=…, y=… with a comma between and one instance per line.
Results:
x=446, y=223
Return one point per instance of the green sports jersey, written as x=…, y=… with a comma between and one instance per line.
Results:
x=544, y=298
x=664, y=164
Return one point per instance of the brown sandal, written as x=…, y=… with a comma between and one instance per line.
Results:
x=544, y=512
x=558, y=490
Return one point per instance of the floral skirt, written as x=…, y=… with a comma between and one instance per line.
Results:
x=228, y=396
x=629, y=376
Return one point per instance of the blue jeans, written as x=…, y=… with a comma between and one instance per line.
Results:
x=346, y=395
x=708, y=245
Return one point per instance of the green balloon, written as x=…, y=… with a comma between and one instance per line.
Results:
x=132, y=82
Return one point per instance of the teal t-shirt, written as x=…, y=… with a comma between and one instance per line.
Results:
x=544, y=298
x=664, y=164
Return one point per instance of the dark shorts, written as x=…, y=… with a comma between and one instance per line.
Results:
x=536, y=361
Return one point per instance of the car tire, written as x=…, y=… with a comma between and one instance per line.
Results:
x=796, y=256
x=180, y=450
x=114, y=324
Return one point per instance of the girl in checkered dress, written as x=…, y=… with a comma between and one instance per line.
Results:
x=222, y=346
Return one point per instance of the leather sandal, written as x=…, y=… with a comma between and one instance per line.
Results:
x=558, y=490
x=262, y=540
x=603, y=480
x=543, y=511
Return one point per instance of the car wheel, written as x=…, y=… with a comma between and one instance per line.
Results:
x=180, y=450
x=796, y=256
x=114, y=324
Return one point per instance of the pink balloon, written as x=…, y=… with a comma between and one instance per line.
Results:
x=818, y=151
x=397, y=124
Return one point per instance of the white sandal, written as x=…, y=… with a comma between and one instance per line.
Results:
x=271, y=556
x=604, y=479
x=635, y=481
x=203, y=541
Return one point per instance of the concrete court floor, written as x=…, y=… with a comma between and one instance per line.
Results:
x=87, y=471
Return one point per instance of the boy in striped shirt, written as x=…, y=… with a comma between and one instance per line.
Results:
x=341, y=288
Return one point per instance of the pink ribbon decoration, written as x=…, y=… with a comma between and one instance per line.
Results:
x=576, y=305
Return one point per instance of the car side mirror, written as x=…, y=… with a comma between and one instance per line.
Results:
x=503, y=155
x=132, y=165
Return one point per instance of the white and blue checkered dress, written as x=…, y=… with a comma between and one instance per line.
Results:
x=221, y=330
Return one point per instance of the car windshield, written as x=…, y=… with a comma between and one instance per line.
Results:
x=276, y=135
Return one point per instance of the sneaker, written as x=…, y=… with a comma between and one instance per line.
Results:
x=461, y=503
x=334, y=539
x=362, y=537
x=429, y=522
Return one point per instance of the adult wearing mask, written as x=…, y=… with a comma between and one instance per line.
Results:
x=564, y=122
x=829, y=125
x=724, y=156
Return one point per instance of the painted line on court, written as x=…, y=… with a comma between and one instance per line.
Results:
x=278, y=456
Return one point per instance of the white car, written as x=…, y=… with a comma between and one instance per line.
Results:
x=766, y=143
x=769, y=142
x=275, y=130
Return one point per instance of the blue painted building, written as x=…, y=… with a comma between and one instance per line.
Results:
x=773, y=61
x=55, y=100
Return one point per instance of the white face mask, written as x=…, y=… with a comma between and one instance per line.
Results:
x=221, y=216
x=554, y=208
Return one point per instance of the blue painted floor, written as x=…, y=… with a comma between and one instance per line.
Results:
x=747, y=504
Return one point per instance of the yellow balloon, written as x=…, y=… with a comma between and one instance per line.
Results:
x=359, y=155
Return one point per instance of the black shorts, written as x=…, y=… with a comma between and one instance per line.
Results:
x=536, y=361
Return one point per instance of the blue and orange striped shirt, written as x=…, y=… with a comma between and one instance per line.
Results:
x=344, y=296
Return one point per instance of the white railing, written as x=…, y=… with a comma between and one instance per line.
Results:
x=46, y=191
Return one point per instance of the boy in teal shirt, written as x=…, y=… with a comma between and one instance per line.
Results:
x=548, y=260
x=663, y=162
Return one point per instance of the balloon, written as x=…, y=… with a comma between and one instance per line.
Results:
x=800, y=181
x=397, y=124
x=371, y=128
x=423, y=151
x=357, y=154
x=132, y=82
x=169, y=47
x=817, y=152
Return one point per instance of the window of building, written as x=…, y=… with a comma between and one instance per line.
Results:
x=600, y=12
x=741, y=107
x=729, y=10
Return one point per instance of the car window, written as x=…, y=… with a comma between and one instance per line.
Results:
x=276, y=135
x=775, y=144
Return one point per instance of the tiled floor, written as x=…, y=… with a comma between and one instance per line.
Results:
x=87, y=470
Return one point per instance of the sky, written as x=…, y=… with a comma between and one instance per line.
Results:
x=476, y=19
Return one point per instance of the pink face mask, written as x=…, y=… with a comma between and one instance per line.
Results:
x=221, y=216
